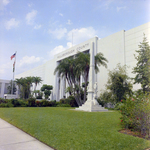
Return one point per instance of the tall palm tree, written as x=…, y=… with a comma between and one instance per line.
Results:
x=84, y=63
x=63, y=70
x=18, y=82
x=72, y=69
x=29, y=81
x=22, y=86
x=37, y=80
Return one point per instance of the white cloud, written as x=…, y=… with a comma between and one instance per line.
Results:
x=12, y=23
x=119, y=8
x=3, y=3
x=30, y=4
x=29, y=60
x=59, y=49
x=37, y=26
x=81, y=35
x=5, y=67
x=105, y=4
x=30, y=17
x=69, y=22
x=58, y=33
x=61, y=14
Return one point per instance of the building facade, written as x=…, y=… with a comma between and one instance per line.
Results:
x=3, y=87
x=117, y=48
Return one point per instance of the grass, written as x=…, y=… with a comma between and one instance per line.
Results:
x=65, y=129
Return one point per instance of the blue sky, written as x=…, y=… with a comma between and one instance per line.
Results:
x=39, y=29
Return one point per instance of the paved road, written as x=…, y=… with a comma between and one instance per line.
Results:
x=12, y=138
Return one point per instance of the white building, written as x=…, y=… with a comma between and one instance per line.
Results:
x=3, y=87
x=117, y=48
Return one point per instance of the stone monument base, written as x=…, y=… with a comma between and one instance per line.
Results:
x=91, y=106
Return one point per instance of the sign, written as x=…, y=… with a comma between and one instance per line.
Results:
x=75, y=50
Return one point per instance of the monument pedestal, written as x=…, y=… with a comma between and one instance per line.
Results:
x=91, y=106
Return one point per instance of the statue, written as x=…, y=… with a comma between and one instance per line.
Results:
x=95, y=91
x=95, y=94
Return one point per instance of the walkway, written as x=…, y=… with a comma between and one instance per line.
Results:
x=12, y=138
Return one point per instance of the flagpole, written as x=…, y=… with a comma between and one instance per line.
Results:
x=13, y=73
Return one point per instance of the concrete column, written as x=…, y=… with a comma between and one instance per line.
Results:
x=2, y=89
x=63, y=87
x=91, y=73
x=95, y=52
x=56, y=96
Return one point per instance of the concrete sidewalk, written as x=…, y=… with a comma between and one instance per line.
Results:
x=12, y=138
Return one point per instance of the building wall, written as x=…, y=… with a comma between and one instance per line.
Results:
x=113, y=49
x=3, y=87
x=133, y=38
x=117, y=48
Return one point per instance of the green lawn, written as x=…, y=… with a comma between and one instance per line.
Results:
x=65, y=129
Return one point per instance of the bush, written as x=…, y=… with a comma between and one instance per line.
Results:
x=31, y=102
x=44, y=103
x=135, y=112
x=53, y=103
x=6, y=105
x=106, y=97
x=70, y=101
x=12, y=103
x=38, y=104
x=63, y=105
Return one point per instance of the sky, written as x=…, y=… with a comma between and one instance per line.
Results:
x=39, y=29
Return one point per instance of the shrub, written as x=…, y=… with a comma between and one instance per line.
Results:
x=63, y=105
x=53, y=103
x=23, y=103
x=31, y=102
x=15, y=102
x=70, y=101
x=44, y=103
x=38, y=103
x=135, y=112
x=62, y=101
x=106, y=97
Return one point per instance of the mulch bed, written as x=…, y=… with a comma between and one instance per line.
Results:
x=134, y=133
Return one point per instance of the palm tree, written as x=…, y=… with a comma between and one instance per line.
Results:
x=84, y=63
x=63, y=70
x=18, y=82
x=22, y=86
x=29, y=81
x=72, y=69
x=36, y=80
x=9, y=88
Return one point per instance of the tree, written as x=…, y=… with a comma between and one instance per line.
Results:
x=118, y=83
x=36, y=80
x=142, y=69
x=83, y=60
x=47, y=90
x=29, y=81
x=9, y=88
x=24, y=86
x=73, y=68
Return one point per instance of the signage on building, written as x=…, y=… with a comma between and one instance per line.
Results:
x=75, y=50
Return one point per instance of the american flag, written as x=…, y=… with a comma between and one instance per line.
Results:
x=13, y=56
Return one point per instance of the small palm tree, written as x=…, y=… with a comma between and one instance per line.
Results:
x=29, y=81
x=36, y=80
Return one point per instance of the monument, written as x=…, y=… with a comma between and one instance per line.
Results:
x=91, y=104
